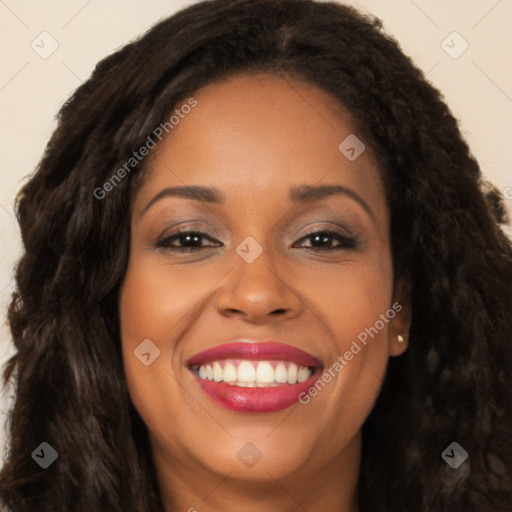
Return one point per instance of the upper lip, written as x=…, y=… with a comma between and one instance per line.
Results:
x=245, y=348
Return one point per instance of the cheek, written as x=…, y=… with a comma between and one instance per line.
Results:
x=354, y=305
x=350, y=298
x=159, y=302
x=144, y=308
x=160, y=305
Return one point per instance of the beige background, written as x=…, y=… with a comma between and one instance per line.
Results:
x=477, y=84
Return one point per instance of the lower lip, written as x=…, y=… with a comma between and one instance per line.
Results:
x=256, y=400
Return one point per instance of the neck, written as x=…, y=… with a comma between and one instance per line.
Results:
x=188, y=487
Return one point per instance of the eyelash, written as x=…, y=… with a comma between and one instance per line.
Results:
x=346, y=242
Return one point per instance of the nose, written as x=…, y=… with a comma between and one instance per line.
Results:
x=258, y=291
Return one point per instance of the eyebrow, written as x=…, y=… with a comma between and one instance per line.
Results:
x=310, y=193
x=302, y=193
x=196, y=192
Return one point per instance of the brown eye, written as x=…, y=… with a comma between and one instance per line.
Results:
x=187, y=241
x=322, y=240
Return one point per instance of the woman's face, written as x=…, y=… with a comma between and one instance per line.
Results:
x=254, y=275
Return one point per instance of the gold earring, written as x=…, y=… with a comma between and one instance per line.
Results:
x=400, y=338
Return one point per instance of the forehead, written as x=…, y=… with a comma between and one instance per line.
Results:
x=256, y=136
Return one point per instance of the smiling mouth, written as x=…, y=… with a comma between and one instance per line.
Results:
x=251, y=374
x=255, y=377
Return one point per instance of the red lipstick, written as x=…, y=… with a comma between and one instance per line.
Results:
x=271, y=350
x=293, y=371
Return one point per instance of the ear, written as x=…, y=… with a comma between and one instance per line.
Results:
x=400, y=324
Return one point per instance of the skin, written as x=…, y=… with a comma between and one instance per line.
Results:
x=253, y=138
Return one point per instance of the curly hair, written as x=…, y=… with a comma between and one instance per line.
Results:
x=452, y=384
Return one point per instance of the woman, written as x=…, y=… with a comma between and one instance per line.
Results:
x=260, y=273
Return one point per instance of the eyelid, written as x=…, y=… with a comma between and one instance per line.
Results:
x=163, y=241
x=188, y=226
x=328, y=226
x=345, y=241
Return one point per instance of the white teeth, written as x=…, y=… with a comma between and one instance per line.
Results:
x=264, y=372
x=230, y=374
x=281, y=374
x=303, y=374
x=254, y=374
x=246, y=372
x=292, y=374
x=217, y=372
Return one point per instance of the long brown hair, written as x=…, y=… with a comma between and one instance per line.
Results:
x=452, y=384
